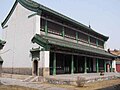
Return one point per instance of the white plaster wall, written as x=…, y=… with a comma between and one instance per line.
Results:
x=114, y=64
x=37, y=24
x=44, y=59
x=18, y=35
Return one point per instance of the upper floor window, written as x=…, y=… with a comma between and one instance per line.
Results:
x=57, y=29
x=42, y=26
x=54, y=28
x=92, y=40
x=82, y=37
x=70, y=33
x=100, y=43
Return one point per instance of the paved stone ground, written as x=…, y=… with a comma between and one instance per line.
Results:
x=70, y=79
x=15, y=76
x=73, y=77
x=10, y=81
x=114, y=87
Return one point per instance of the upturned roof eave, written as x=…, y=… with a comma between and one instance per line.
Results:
x=9, y=14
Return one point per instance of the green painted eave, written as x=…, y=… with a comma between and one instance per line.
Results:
x=9, y=14
x=36, y=7
x=68, y=44
x=77, y=46
x=41, y=41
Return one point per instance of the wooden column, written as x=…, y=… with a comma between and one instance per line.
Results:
x=89, y=65
x=77, y=37
x=54, y=64
x=72, y=64
x=77, y=64
x=111, y=70
x=89, y=39
x=104, y=65
x=97, y=42
x=63, y=32
x=97, y=65
x=46, y=27
x=85, y=65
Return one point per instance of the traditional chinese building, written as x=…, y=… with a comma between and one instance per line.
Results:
x=117, y=59
x=41, y=41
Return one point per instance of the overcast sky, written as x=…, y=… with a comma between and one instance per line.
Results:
x=103, y=15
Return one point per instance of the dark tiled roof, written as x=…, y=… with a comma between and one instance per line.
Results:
x=115, y=52
x=64, y=43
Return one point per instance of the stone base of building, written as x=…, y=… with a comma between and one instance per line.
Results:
x=44, y=72
x=25, y=71
x=21, y=71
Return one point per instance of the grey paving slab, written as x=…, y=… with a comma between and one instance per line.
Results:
x=10, y=81
x=87, y=76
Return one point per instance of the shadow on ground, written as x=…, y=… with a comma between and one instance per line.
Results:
x=115, y=87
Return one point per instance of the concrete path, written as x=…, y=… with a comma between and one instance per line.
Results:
x=10, y=81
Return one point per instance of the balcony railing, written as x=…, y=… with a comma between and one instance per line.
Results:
x=51, y=31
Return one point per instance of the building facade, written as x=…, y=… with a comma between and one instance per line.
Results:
x=41, y=41
x=117, y=59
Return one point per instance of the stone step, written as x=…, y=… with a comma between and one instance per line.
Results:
x=35, y=79
x=39, y=79
x=28, y=79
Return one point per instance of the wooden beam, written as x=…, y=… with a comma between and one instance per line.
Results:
x=78, y=54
